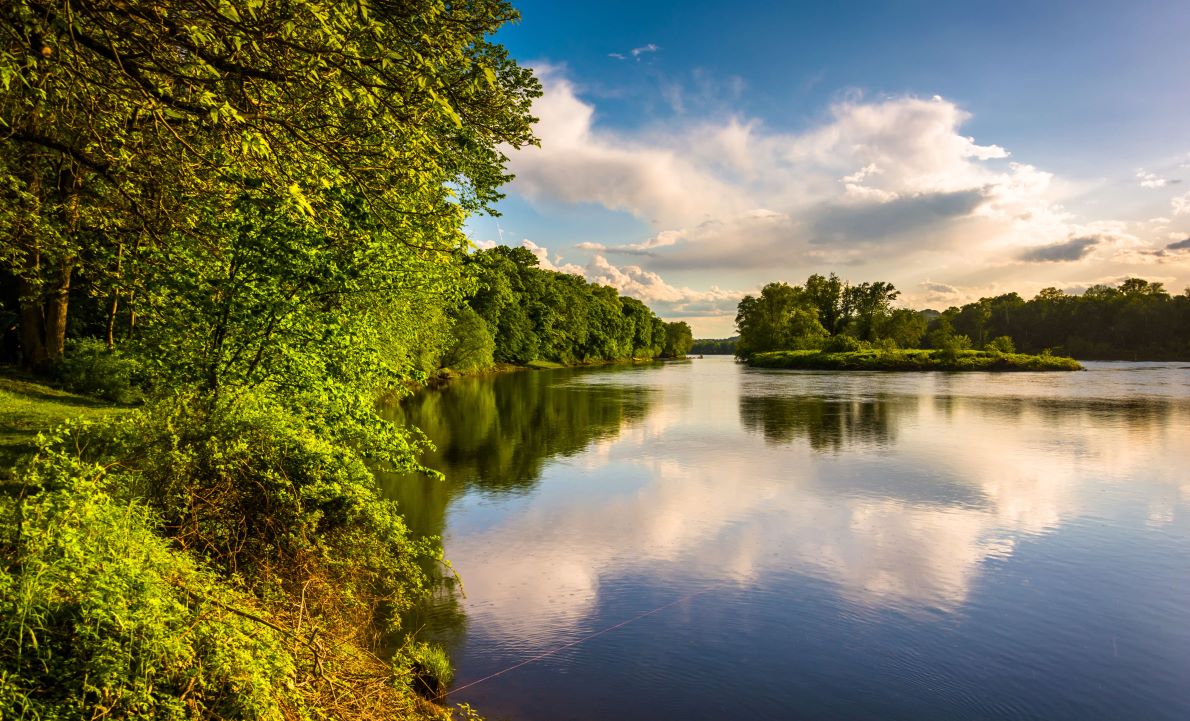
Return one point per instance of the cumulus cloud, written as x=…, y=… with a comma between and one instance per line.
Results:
x=890, y=185
x=631, y=280
x=1070, y=250
x=543, y=259
x=667, y=300
x=943, y=288
x=892, y=173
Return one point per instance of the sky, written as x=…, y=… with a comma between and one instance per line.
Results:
x=692, y=152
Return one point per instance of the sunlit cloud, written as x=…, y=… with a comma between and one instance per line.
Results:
x=1181, y=204
x=886, y=187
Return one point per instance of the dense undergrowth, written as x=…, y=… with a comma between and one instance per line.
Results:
x=197, y=560
x=912, y=360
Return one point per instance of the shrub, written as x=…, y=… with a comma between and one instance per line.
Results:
x=280, y=569
x=1001, y=344
x=843, y=344
x=100, y=614
x=266, y=499
x=90, y=368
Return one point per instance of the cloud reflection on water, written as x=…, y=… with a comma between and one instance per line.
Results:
x=895, y=500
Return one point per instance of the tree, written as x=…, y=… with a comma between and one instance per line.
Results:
x=904, y=327
x=869, y=305
x=472, y=344
x=129, y=128
x=678, y=339
x=764, y=322
x=828, y=296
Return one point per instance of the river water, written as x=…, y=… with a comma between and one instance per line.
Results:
x=700, y=540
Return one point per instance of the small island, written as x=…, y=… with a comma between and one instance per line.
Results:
x=912, y=360
x=832, y=324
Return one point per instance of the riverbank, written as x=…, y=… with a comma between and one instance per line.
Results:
x=444, y=375
x=82, y=521
x=912, y=360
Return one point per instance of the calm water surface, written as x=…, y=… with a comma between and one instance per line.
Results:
x=793, y=545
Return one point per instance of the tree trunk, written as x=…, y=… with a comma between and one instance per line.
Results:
x=33, y=351
x=55, y=316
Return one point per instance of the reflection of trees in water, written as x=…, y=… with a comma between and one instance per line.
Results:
x=1140, y=416
x=828, y=424
x=495, y=434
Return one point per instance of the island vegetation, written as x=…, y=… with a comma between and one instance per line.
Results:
x=1134, y=320
x=830, y=324
x=885, y=359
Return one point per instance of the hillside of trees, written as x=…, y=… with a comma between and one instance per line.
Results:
x=1136, y=320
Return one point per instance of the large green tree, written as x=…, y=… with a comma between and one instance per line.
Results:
x=129, y=129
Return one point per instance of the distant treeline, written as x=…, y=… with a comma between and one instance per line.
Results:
x=714, y=346
x=1137, y=319
x=519, y=313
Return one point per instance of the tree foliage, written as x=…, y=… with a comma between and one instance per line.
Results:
x=258, y=205
x=1137, y=319
x=787, y=317
x=132, y=130
x=538, y=314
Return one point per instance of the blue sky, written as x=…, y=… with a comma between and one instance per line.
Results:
x=692, y=152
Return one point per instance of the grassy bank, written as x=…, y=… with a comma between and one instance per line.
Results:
x=912, y=360
x=28, y=408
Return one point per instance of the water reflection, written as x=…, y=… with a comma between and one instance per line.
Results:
x=828, y=424
x=493, y=436
x=895, y=493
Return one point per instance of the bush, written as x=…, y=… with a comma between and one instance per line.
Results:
x=1001, y=344
x=280, y=571
x=266, y=499
x=101, y=614
x=843, y=344
x=90, y=368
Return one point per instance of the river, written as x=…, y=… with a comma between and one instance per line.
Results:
x=700, y=540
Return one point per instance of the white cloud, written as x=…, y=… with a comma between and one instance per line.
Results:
x=667, y=300
x=1181, y=204
x=889, y=186
x=649, y=48
x=901, y=149
x=636, y=53
x=1150, y=180
x=543, y=259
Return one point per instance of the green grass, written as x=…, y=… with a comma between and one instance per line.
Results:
x=28, y=408
x=912, y=360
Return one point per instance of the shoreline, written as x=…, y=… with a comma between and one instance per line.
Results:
x=913, y=361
